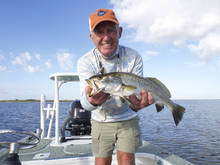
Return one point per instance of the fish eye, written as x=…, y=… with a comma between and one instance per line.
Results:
x=99, y=77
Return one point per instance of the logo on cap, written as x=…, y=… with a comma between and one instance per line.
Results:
x=101, y=13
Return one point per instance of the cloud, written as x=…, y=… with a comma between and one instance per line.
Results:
x=147, y=55
x=3, y=68
x=194, y=24
x=22, y=59
x=195, y=64
x=32, y=69
x=1, y=56
x=207, y=47
x=31, y=63
x=65, y=60
x=218, y=63
x=37, y=56
x=48, y=64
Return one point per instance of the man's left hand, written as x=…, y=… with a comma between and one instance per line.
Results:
x=145, y=100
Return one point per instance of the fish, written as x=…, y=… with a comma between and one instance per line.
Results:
x=124, y=84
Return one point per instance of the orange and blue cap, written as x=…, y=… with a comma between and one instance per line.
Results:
x=101, y=15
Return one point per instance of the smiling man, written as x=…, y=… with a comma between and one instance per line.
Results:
x=114, y=122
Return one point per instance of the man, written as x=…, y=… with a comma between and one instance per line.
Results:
x=114, y=122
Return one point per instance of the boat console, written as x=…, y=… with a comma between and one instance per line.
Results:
x=78, y=122
x=77, y=116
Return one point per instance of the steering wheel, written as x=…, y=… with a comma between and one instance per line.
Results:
x=27, y=139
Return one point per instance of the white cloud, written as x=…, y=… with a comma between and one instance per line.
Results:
x=48, y=64
x=207, y=47
x=181, y=22
x=65, y=60
x=3, y=68
x=149, y=54
x=195, y=64
x=32, y=69
x=31, y=63
x=37, y=56
x=218, y=63
x=1, y=57
x=22, y=59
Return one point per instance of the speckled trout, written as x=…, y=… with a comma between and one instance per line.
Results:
x=125, y=84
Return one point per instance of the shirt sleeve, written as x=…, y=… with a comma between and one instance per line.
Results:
x=85, y=70
x=138, y=66
x=134, y=61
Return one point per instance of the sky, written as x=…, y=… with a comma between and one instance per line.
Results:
x=179, y=42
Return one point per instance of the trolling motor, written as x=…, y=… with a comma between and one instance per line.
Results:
x=28, y=142
x=78, y=122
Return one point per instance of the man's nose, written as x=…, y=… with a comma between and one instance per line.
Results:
x=106, y=35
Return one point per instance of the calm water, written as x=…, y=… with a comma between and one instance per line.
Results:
x=196, y=139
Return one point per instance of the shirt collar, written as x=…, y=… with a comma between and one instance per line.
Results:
x=109, y=57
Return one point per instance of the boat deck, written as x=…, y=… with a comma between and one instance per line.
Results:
x=78, y=151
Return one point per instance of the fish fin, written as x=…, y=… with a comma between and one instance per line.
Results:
x=122, y=99
x=138, y=96
x=159, y=107
x=159, y=83
x=128, y=101
x=125, y=98
x=178, y=112
x=129, y=87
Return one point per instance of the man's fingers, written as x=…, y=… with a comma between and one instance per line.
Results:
x=150, y=98
x=88, y=90
x=144, y=98
x=97, y=99
x=134, y=100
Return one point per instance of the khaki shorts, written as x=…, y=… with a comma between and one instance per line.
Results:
x=125, y=135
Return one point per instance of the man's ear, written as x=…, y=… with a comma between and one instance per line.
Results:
x=120, y=32
x=90, y=35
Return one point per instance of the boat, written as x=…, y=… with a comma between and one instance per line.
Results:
x=40, y=148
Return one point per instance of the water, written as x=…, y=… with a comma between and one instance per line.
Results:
x=196, y=139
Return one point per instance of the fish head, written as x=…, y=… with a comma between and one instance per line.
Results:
x=95, y=88
x=106, y=82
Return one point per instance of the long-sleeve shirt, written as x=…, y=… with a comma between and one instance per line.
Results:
x=123, y=60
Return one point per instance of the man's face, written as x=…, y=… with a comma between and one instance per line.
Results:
x=106, y=37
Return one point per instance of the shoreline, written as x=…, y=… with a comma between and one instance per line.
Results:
x=31, y=100
x=51, y=100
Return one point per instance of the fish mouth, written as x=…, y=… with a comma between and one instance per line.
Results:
x=89, y=83
x=92, y=84
x=94, y=87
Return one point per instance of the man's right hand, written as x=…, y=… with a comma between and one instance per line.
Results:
x=96, y=99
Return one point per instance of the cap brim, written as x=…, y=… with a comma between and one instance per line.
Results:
x=103, y=20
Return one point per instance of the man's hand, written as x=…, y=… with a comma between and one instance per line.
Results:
x=146, y=99
x=96, y=99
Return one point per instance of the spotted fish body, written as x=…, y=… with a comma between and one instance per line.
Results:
x=125, y=84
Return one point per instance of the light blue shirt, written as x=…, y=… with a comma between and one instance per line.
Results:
x=124, y=60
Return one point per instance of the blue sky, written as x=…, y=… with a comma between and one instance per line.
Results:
x=178, y=40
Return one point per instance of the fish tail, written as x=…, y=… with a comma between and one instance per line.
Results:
x=178, y=112
x=159, y=107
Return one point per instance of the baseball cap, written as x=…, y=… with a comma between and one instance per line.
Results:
x=101, y=15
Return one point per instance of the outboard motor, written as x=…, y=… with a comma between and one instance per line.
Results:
x=78, y=122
